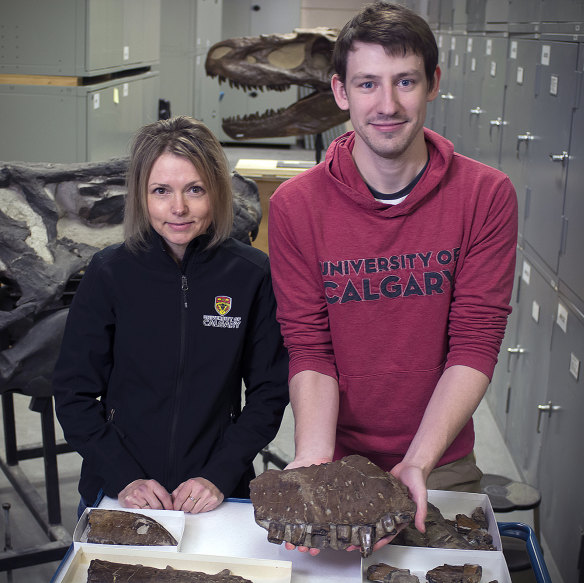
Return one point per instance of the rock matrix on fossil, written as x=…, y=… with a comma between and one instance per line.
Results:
x=107, y=572
x=116, y=527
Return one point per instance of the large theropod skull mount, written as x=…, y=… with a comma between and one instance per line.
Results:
x=276, y=62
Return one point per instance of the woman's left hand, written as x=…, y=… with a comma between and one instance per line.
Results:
x=196, y=495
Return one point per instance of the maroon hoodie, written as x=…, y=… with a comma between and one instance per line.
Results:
x=385, y=297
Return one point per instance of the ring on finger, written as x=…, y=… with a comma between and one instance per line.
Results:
x=193, y=499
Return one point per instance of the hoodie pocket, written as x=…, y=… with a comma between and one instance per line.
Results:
x=382, y=412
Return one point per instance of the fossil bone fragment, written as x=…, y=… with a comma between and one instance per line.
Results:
x=455, y=574
x=444, y=534
x=384, y=573
x=101, y=571
x=337, y=504
x=117, y=527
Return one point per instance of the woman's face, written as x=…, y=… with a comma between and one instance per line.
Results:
x=178, y=203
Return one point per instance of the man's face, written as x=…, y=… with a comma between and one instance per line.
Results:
x=386, y=97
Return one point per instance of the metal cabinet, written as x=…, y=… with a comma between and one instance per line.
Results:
x=519, y=133
x=560, y=468
x=75, y=124
x=528, y=363
x=498, y=393
x=188, y=29
x=448, y=110
x=571, y=269
x=78, y=37
x=491, y=120
x=471, y=110
x=546, y=162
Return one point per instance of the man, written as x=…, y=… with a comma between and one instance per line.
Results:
x=393, y=266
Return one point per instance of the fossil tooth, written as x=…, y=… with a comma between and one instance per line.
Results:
x=388, y=524
x=297, y=534
x=344, y=533
x=366, y=534
x=276, y=532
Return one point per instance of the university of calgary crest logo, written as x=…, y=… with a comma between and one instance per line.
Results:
x=222, y=305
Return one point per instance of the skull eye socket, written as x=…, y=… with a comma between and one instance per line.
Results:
x=289, y=56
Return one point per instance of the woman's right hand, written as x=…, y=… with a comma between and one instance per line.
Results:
x=145, y=494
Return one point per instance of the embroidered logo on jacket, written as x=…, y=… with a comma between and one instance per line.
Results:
x=223, y=305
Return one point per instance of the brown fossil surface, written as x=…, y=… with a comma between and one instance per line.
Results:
x=101, y=571
x=464, y=533
x=467, y=573
x=384, y=573
x=117, y=527
x=337, y=504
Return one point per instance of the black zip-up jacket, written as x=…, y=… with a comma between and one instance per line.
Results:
x=149, y=380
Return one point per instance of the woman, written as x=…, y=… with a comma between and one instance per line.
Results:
x=162, y=331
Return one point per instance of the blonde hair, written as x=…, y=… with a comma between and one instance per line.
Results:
x=188, y=138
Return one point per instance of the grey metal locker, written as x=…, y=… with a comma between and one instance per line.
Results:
x=115, y=112
x=519, y=133
x=528, y=361
x=498, y=391
x=524, y=15
x=491, y=122
x=471, y=110
x=449, y=110
x=547, y=159
x=252, y=18
x=571, y=268
x=561, y=470
x=75, y=124
x=78, y=37
x=561, y=10
x=439, y=109
x=188, y=29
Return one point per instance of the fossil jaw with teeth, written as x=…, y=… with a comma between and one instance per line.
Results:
x=337, y=504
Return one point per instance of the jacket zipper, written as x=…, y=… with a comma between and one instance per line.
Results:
x=185, y=289
x=179, y=381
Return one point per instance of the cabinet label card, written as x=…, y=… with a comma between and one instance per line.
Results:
x=526, y=272
x=96, y=101
x=562, y=317
x=554, y=80
x=574, y=366
x=535, y=311
x=546, y=54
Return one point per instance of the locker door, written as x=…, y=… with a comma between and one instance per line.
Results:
x=561, y=10
x=452, y=100
x=547, y=163
x=491, y=121
x=571, y=271
x=561, y=470
x=472, y=111
x=438, y=121
x=498, y=393
x=528, y=361
x=518, y=136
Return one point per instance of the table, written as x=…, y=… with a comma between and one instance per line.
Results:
x=230, y=530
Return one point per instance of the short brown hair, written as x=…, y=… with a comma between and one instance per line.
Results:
x=188, y=138
x=396, y=28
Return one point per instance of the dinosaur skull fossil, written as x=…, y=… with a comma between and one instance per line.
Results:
x=276, y=62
